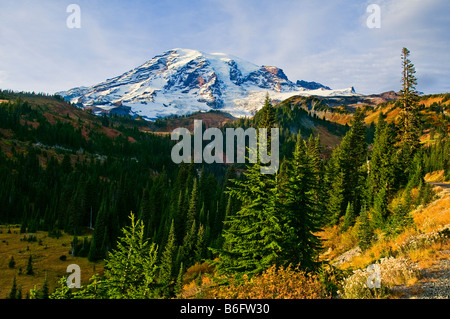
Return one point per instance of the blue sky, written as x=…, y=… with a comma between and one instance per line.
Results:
x=325, y=41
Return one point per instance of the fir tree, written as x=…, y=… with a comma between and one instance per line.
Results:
x=349, y=217
x=30, y=266
x=409, y=121
x=300, y=209
x=252, y=235
x=96, y=251
x=381, y=167
x=380, y=208
x=131, y=268
x=199, y=247
x=145, y=210
x=179, y=283
x=13, y=292
x=417, y=172
x=193, y=207
x=408, y=99
x=19, y=293
x=268, y=119
x=365, y=233
x=334, y=185
x=43, y=293
x=189, y=245
x=268, y=115
x=347, y=186
x=167, y=260
x=11, y=263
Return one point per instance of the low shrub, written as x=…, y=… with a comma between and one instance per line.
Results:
x=274, y=283
x=393, y=271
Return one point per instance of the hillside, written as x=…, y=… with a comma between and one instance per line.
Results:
x=67, y=171
x=411, y=259
x=434, y=109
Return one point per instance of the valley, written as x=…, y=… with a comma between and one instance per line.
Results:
x=115, y=152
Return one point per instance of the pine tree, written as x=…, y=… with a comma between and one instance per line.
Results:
x=96, y=251
x=300, y=209
x=408, y=99
x=19, y=293
x=180, y=212
x=145, y=211
x=349, y=217
x=252, y=235
x=179, y=283
x=30, y=266
x=43, y=293
x=380, y=208
x=313, y=150
x=268, y=115
x=189, y=245
x=417, y=172
x=199, y=247
x=409, y=135
x=365, y=233
x=381, y=167
x=130, y=269
x=167, y=260
x=350, y=157
x=268, y=120
x=11, y=263
x=333, y=181
x=193, y=207
x=13, y=292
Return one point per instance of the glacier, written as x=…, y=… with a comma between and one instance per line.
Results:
x=183, y=81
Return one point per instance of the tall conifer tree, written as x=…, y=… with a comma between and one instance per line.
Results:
x=301, y=209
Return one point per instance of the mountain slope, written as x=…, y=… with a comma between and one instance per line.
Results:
x=182, y=81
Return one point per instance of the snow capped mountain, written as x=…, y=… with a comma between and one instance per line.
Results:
x=183, y=81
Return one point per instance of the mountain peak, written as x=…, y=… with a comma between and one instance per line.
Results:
x=182, y=81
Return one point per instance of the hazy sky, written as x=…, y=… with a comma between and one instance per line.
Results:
x=326, y=41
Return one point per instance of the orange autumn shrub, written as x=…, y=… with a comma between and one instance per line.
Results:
x=274, y=283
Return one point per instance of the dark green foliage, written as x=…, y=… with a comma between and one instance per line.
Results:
x=349, y=217
x=380, y=210
x=268, y=115
x=130, y=270
x=436, y=157
x=11, y=263
x=30, y=266
x=43, y=292
x=13, y=293
x=278, y=219
x=179, y=281
x=400, y=217
x=365, y=234
x=167, y=262
x=346, y=171
x=381, y=167
x=410, y=127
x=252, y=235
x=300, y=207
